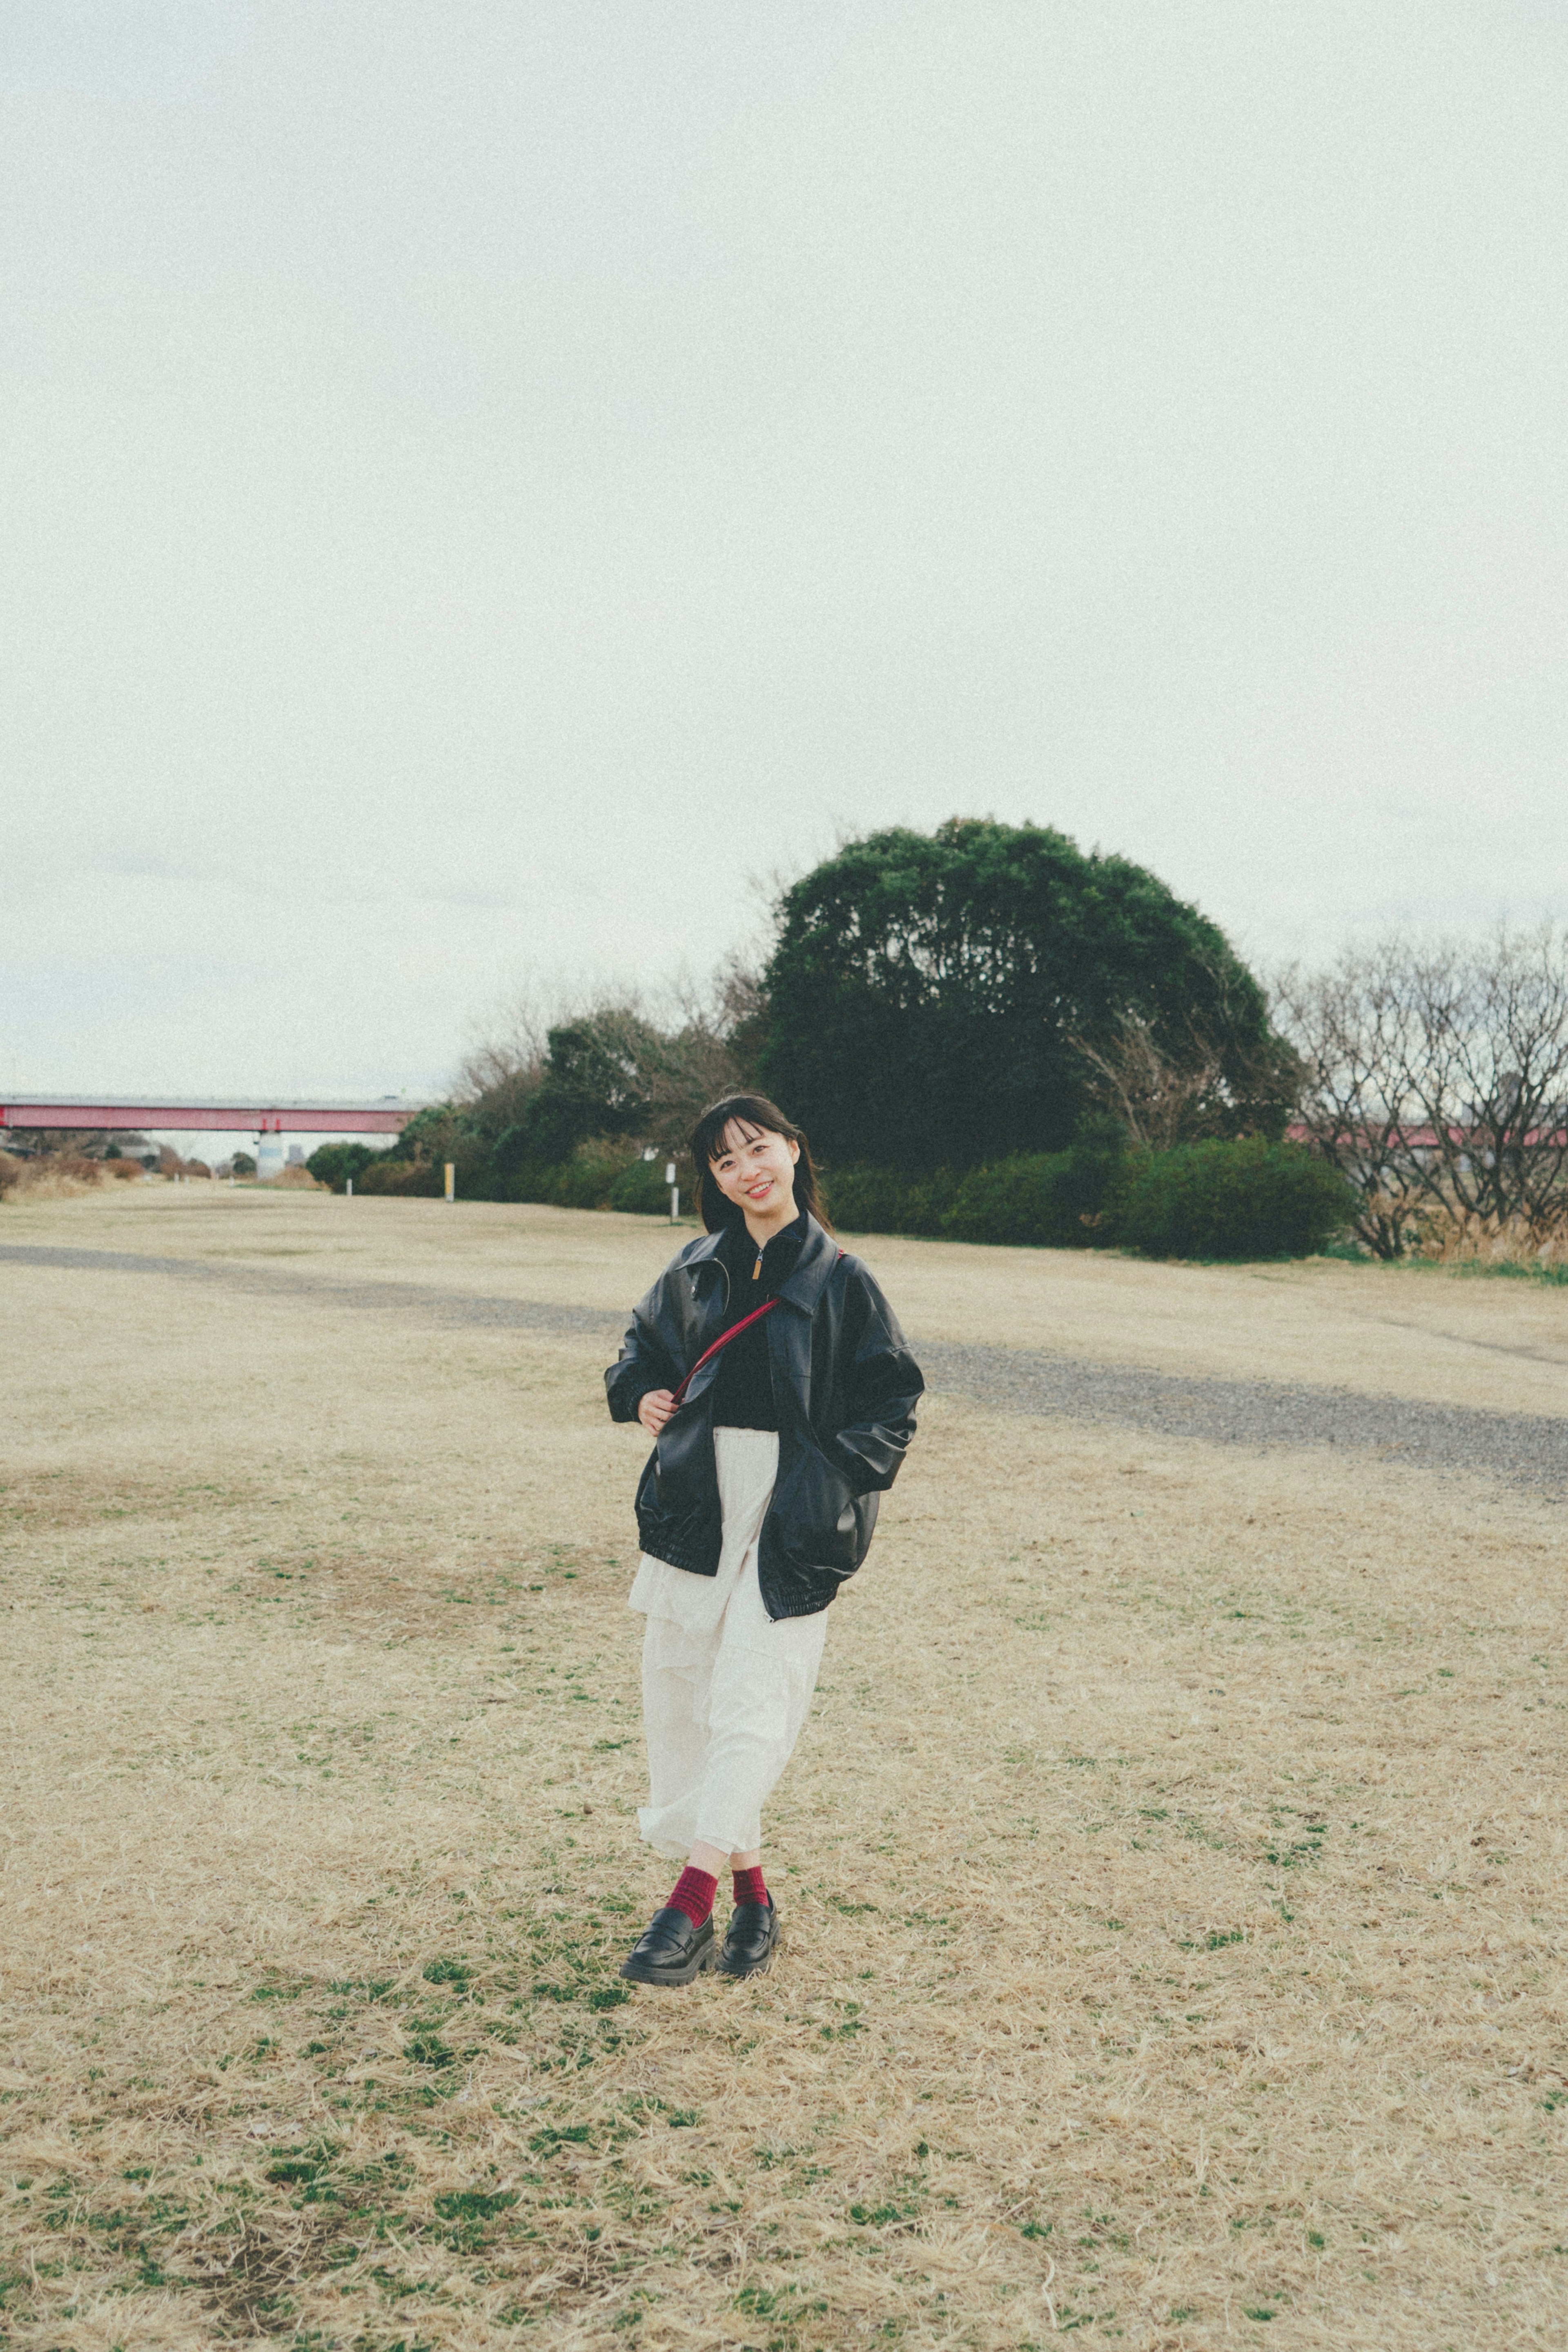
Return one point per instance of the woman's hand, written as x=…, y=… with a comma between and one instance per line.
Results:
x=655, y=1409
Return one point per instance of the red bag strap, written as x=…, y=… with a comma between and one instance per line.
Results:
x=723, y=1341
x=734, y=1332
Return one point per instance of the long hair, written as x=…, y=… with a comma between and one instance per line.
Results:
x=707, y=1142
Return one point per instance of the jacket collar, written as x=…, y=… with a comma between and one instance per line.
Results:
x=699, y=1253
x=819, y=1255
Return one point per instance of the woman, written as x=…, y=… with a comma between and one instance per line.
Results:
x=774, y=1379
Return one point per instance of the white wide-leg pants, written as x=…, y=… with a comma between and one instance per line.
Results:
x=725, y=1689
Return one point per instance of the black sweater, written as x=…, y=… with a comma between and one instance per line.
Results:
x=743, y=1394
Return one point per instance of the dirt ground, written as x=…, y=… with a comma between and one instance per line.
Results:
x=1171, y=1869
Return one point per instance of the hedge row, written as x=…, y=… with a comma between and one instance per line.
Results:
x=1244, y=1200
x=1249, y=1199
x=592, y=1180
x=636, y=1187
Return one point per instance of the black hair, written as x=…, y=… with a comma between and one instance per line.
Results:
x=707, y=1144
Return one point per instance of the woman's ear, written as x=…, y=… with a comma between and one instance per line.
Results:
x=794, y=1152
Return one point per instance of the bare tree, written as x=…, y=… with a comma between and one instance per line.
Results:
x=1166, y=1091
x=609, y=1064
x=1345, y=1023
x=1158, y=1100
x=1437, y=1078
x=1490, y=1070
x=742, y=1009
x=696, y=1061
x=508, y=1051
x=79, y=1142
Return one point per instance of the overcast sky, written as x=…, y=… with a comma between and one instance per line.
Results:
x=484, y=482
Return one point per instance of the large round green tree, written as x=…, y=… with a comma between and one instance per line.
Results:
x=930, y=996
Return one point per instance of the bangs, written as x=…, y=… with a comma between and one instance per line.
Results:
x=748, y=1132
x=753, y=1114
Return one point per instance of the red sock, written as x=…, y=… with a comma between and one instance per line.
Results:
x=695, y=1891
x=749, y=1886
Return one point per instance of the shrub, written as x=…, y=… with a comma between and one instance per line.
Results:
x=1016, y=1200
x=585, y=1181
x=1249, y=1199
x=416, y=1167
x=1216, y=1200
x=1055, y=1200
x=880, y=1201
x=641, y=1190
x=419, y=1180
x=598, y=1175
x=50, y=1175
x=335, y=1163
x=71, y=1167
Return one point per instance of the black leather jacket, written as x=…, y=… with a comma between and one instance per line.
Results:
x=844, y=1383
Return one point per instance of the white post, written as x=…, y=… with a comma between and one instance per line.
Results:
x=451, y=1181
x=350, y=1188
x=674, y=1191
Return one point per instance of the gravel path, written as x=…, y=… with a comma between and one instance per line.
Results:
x=1525, y=1449
x=1528, y=1449
x=442, y=1305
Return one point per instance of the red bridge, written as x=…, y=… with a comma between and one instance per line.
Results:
x=388, y=1116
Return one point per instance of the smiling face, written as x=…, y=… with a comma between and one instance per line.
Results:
x=756, y=1170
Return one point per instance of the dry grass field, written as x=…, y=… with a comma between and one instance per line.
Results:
x=1171, y=1869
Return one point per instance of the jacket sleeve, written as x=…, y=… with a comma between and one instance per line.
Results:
x=884, y=1385
x=643, y=1364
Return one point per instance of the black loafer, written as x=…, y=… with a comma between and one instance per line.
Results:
x=752, y=1940
x=672, y=1952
